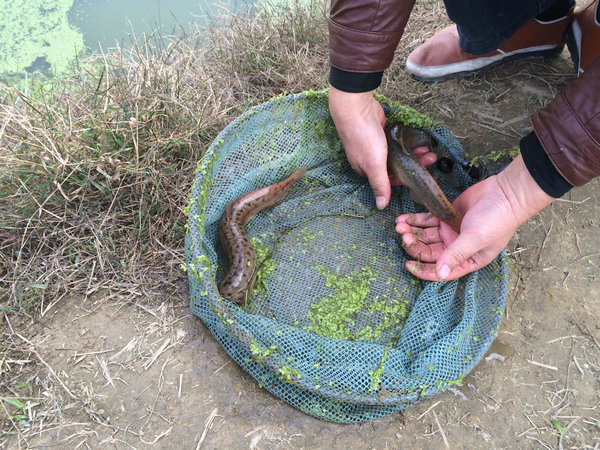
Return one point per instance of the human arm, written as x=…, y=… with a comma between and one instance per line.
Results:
x=359, y=120
x=564, y=151
x=363, y=35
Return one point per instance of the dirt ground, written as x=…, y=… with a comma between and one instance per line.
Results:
x=142, y=373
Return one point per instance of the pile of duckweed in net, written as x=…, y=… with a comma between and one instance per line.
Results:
x=336, y=326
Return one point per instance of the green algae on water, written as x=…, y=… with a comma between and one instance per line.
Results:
x=405, y=114
x=337, y=315
x=39, y=30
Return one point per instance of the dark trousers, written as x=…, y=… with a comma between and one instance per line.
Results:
x=484, y=25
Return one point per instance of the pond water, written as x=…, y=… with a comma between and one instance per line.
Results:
x=47, y=35
x=104, y=22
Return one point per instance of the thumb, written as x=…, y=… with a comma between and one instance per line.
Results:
x=457, y=259
x=380, y=183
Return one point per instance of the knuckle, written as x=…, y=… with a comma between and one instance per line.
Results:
x=454, y=257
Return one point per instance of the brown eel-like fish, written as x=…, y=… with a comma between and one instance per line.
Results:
x=401, y=139
x=236, y=286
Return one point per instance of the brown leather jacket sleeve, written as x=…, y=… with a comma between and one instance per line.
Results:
x=363, y=34
x=569, y=128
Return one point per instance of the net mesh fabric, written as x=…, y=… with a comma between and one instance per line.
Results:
x=336, y=326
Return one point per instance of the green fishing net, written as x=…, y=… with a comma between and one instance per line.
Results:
x=336, y=326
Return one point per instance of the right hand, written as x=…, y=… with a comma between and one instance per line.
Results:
x=359, y=120
x=493, y=210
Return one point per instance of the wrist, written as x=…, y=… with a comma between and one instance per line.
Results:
x=524, y=195
x=349, y=106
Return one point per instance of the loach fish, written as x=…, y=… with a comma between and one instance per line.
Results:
x=237, y=284
x=401, y=139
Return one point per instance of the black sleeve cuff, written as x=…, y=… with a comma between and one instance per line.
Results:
x=354, y=81
x=541, y=168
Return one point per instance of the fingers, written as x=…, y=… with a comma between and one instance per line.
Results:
x=423, y=244
x=436, y=262
x=423, y=220
x=441, y=253
x=425, y=155
x=380, y=183
x=422, y=270
x=359, y=120
x=461, y=256
x=378, y=179
x=427, y=271
x=422, y=251
x=427, y=236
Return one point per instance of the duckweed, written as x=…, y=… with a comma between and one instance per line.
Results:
x=376, y=374
x=334, y=315
x=265, y=265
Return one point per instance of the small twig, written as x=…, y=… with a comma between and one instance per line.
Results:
x=99, y=352
x=562, y=339
x=545, y=366
x=573, y=201
x=496, y=130
x=221, y=367
x=87, y=290
x=530, y=421
x=32, y=348
x=164, y=433
x=539, y=442
x=430, y=408
x=441, y=430
x=587, y=332
x=156, y=354
x=591, y=255
x=547, y=233
x=527, y=431
x=105, y=371
x=128, y=347
x=207, y=426
x=577, y=365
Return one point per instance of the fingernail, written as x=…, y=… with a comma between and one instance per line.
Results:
x=380, y=202
x=444, y=272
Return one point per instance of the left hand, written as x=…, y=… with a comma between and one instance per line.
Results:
x=359, y=120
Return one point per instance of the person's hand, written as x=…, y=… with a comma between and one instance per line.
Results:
x=493, y=209
x=359, y=120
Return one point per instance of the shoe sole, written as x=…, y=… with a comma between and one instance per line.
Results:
x=537, y=54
